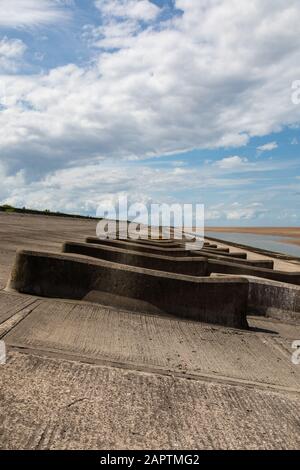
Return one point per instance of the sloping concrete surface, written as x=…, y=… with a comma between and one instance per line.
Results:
x=13, y=304
x=154, y=342
x=48, y=403
x=37, y=232
x=84, y=376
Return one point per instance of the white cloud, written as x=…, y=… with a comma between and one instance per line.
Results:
x=31, y=13
x=236, y=212
x=212, y=77
x=134, y=9
x=170, y=90
x=12, y=48
x=122, y=20
x=268, y=147
x=83, y=187
x=245, y=212
x=11, y=53
x=12, y=182
x=231, y=163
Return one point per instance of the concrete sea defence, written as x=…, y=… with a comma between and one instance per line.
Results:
x=217, y=301
x=190, y=266
x=144, y=248
x=161, y=277
x=223, y=267
x=272, y=299
x=161, y=250
x=194, y=266
x=269, y=264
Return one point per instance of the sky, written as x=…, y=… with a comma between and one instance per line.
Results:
x=164, y=101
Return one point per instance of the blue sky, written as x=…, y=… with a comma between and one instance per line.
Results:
x=163, y=101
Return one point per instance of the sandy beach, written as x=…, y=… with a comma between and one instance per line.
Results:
x=290, y=235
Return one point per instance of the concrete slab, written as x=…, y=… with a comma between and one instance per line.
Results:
x=56, y=404
x=12, y=304
x=151, y=342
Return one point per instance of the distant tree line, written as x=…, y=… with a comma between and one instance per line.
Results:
x=10, y=209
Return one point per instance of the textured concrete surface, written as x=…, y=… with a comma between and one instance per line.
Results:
x=221, y=301
x=39, y=233
x=154, y=342
x=83, y=376
x=55, y=404
x=181, y=265
x=12, y=304
x=272, y=298
x=215, y=266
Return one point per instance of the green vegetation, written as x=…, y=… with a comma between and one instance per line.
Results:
x=10, y=209
x=7, y=208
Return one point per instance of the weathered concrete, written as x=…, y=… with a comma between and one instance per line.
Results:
x=225, y=254
x=222, y=267
x=154, y=381
x=144, y=248
x=48, y=403
x=158, y=243
x=191, y=266
x=274, y=299
x=12, y=304
x=204, y=299
x=162, y=251
x=155, y=343
x=217, y=250
x=268, y=264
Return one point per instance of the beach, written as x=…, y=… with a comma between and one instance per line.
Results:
x=290, y=235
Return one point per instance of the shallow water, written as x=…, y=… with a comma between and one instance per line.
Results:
x=265, y=242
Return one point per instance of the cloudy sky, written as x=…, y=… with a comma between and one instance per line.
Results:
x=162, y=100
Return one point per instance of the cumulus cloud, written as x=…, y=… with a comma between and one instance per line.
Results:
x=122, y=20
x=84, y=187
x=239, y=212
x=135, y=9
x=179, y=84
x=268, y=147
x=230, y=163
x=236, y=212
x=11, y=53
x=175, y=88
x=31, y=13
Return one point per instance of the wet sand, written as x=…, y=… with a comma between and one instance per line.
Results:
x=290, y=235
x=291, y=241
